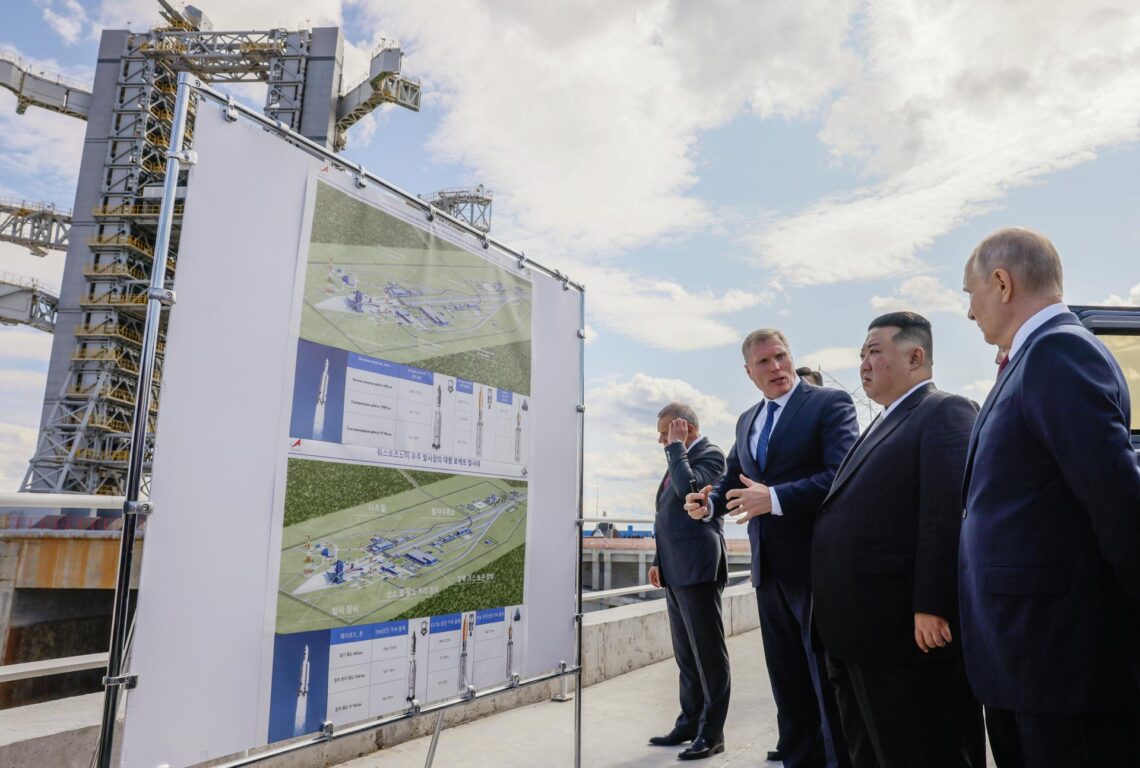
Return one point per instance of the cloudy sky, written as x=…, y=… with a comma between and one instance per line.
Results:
x=705, y=168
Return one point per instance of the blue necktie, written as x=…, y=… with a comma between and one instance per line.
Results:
x=765, y=435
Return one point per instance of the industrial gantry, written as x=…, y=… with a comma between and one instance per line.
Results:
x=84, y=443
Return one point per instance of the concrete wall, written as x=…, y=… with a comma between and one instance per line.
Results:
x=63, y=733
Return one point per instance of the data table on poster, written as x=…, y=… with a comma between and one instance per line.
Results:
x=412, y=416
x=376, y=669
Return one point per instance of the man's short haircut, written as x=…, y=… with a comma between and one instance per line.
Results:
x=912, y=326
x=811, y=375
x=676, y=410
x=1027, y=255
x=761, y=335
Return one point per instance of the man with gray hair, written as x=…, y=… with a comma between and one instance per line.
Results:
x=691, y=565
x=1049, y=561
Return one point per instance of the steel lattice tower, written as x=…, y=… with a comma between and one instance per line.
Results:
x=88, y=410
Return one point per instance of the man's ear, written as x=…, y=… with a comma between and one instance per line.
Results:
x=1004, y=283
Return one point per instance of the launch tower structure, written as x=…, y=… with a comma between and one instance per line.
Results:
x=85, y=427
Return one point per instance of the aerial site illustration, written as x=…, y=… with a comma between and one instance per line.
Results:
x=379, y=286
x=365, y=544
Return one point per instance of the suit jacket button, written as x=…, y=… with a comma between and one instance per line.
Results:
x=963, y=514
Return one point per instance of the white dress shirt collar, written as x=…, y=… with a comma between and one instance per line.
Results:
x=695, y=443
x=1033, y=323
x=909, y=392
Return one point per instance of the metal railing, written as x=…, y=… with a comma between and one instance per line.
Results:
x=52, y=500
x=27, y=670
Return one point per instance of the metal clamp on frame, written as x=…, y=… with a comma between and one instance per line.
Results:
x=327, y=730
x=165, y=295
x=522, y=260
x=469, y=694
x=231, y=110
x=125, y=681
x=138, y=507
x=414, y=706
x=185, y=157
x=359, y=178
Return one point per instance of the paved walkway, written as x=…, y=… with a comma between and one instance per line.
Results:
x=618, y=716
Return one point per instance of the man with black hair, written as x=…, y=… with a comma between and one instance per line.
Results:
x=884, y=565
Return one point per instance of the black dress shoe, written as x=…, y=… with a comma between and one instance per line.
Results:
x=702, y=748
x=775, y=756
x=672, y=739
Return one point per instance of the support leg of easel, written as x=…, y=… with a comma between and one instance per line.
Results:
x=434, y=739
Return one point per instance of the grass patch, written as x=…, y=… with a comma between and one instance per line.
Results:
x=504, y=366
x=505, y=589
x=315, y=488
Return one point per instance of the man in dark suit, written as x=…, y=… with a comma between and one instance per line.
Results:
x=884, y=565
x=1049, y=561
x=691, y=565
x=787, y=449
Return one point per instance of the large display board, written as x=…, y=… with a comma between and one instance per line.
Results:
x=353, y=508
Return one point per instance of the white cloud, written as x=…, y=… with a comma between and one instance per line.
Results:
x=959, y=104
x=39, y=151
x=623, y=462
x=70, y=22
x=1133, y=299
x=584, y=117
x=831, y=358
x=662, y=313
x=17, y=444
x=923, y=294
x=24, y=344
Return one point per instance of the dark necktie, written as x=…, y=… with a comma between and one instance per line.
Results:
x=1004, y=362
x=766, y=435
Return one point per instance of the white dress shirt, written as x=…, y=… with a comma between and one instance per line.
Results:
x=1032, y=324
x=909, y=392
x=754, y=437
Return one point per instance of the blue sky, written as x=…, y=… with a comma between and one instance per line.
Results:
x=704, y=169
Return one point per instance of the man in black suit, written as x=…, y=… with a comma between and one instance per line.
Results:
x=788, y=447
x=690, y=564
x=1050, y=550
x=884, y=565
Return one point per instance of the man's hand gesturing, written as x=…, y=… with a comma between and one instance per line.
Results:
x=678, y=430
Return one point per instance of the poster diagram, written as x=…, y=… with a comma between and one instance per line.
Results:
x=364, y=544
x=403, y=545
x=377, y=285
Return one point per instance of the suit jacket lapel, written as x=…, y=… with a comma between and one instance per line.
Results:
x=795, y=402
x=868, y=443
x=1063, y=319
x=744, y=446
